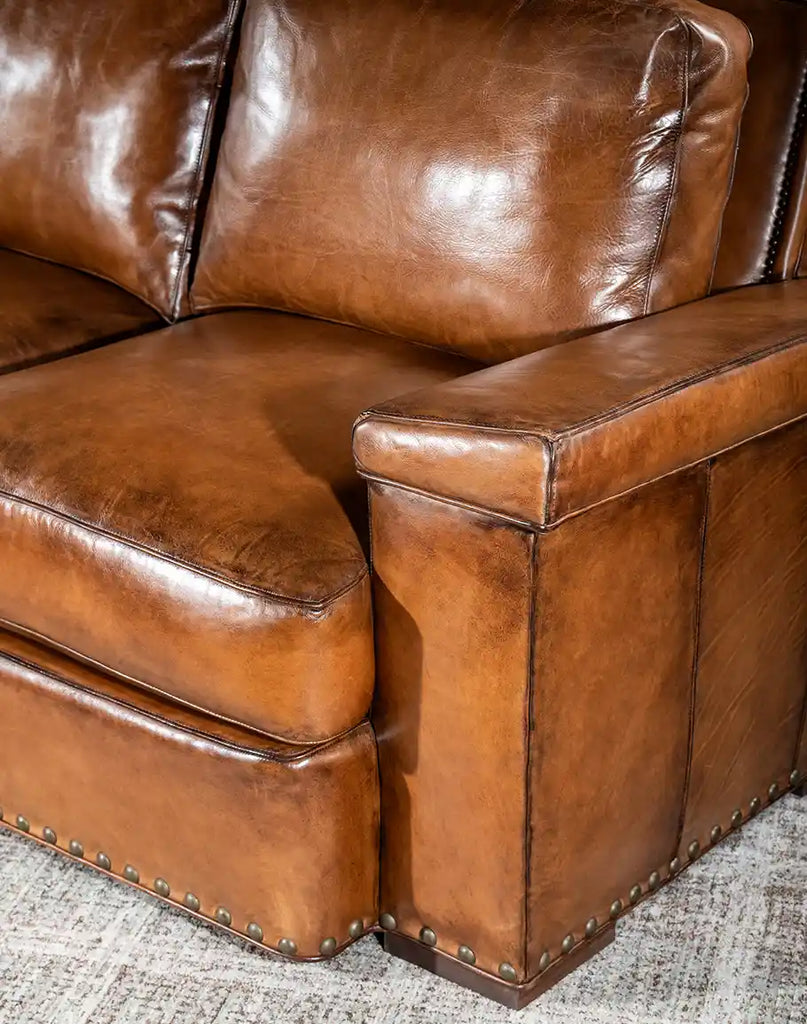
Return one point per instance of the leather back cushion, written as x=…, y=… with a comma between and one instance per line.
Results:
x=765, y=226
x=478, y=174
x=104, y=109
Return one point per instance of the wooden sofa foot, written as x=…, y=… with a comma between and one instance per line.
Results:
x=515, y=997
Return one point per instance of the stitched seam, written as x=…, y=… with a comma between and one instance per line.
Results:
x=693, y=688
x=785, y=191
x=245, y=588
x=46, y=641
x=529, y=837
x=263, y=755
x=195, y=187
x=614, y=413
x=666, y=213
x=551, y=482
x=534, y=524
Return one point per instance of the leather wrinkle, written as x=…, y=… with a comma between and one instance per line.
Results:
x=196, y=187
x=672, y=173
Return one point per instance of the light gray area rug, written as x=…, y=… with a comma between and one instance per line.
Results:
x=724, y=944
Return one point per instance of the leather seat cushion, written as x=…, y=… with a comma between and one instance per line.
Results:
x=181, y=509
x=48, y=311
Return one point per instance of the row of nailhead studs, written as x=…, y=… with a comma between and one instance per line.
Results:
x=222, y=916
x=786, y=186
x=464, y=953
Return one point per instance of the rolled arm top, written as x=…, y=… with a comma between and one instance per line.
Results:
x=551, y=434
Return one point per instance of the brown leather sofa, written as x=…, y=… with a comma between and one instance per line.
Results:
x=485, y=233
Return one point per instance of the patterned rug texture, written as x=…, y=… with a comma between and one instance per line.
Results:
x=724, y=944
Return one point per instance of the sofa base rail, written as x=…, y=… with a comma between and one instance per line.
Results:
x=514, y=997
x=517, y=994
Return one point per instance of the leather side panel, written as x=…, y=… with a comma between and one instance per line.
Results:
x=616, y=624
x=288, y=842
x=753, y=652
x=453, y=609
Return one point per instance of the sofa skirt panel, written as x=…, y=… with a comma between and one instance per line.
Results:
x=276, y=843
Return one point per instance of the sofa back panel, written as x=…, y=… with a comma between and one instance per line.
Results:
x=766, y=217
x=474, y=174
x=104, y=110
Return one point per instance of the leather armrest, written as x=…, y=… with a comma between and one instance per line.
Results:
x=545, y=436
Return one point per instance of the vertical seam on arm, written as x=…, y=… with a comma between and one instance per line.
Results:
x=530, y=728
x=693, y=687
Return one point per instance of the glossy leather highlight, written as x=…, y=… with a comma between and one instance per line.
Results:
x=106, y=110
x=447, y=172
x=548, y=435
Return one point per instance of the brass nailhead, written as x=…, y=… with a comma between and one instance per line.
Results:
x=755, y=805
x=161, y=887
x=76, y=848
x=466, y=954
x=191, y=901
x=388, y=921
x=616, y=908
x=23, y=824
x=356, y=928
x=675, y=866
x=716, y=833
x=737, y=817
x=103, y=861
x=545, y=960
x=131, y=874
x=427, y=936
x=223, y=916
x=654, y=881
x=255, y=932
x=287, y=946
x=773, y=790
x=327, y=947
x=568, y=944
x=794, y=781
x=591, y=927
x=49, y=835
x=508, y=972
x=694, y=849
x=635, y=893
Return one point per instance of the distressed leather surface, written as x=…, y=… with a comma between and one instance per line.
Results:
x=547, y=435
x=260, y=828
x=183, y=509
x=483, y=176
x=106, y=110
x=48, y=311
